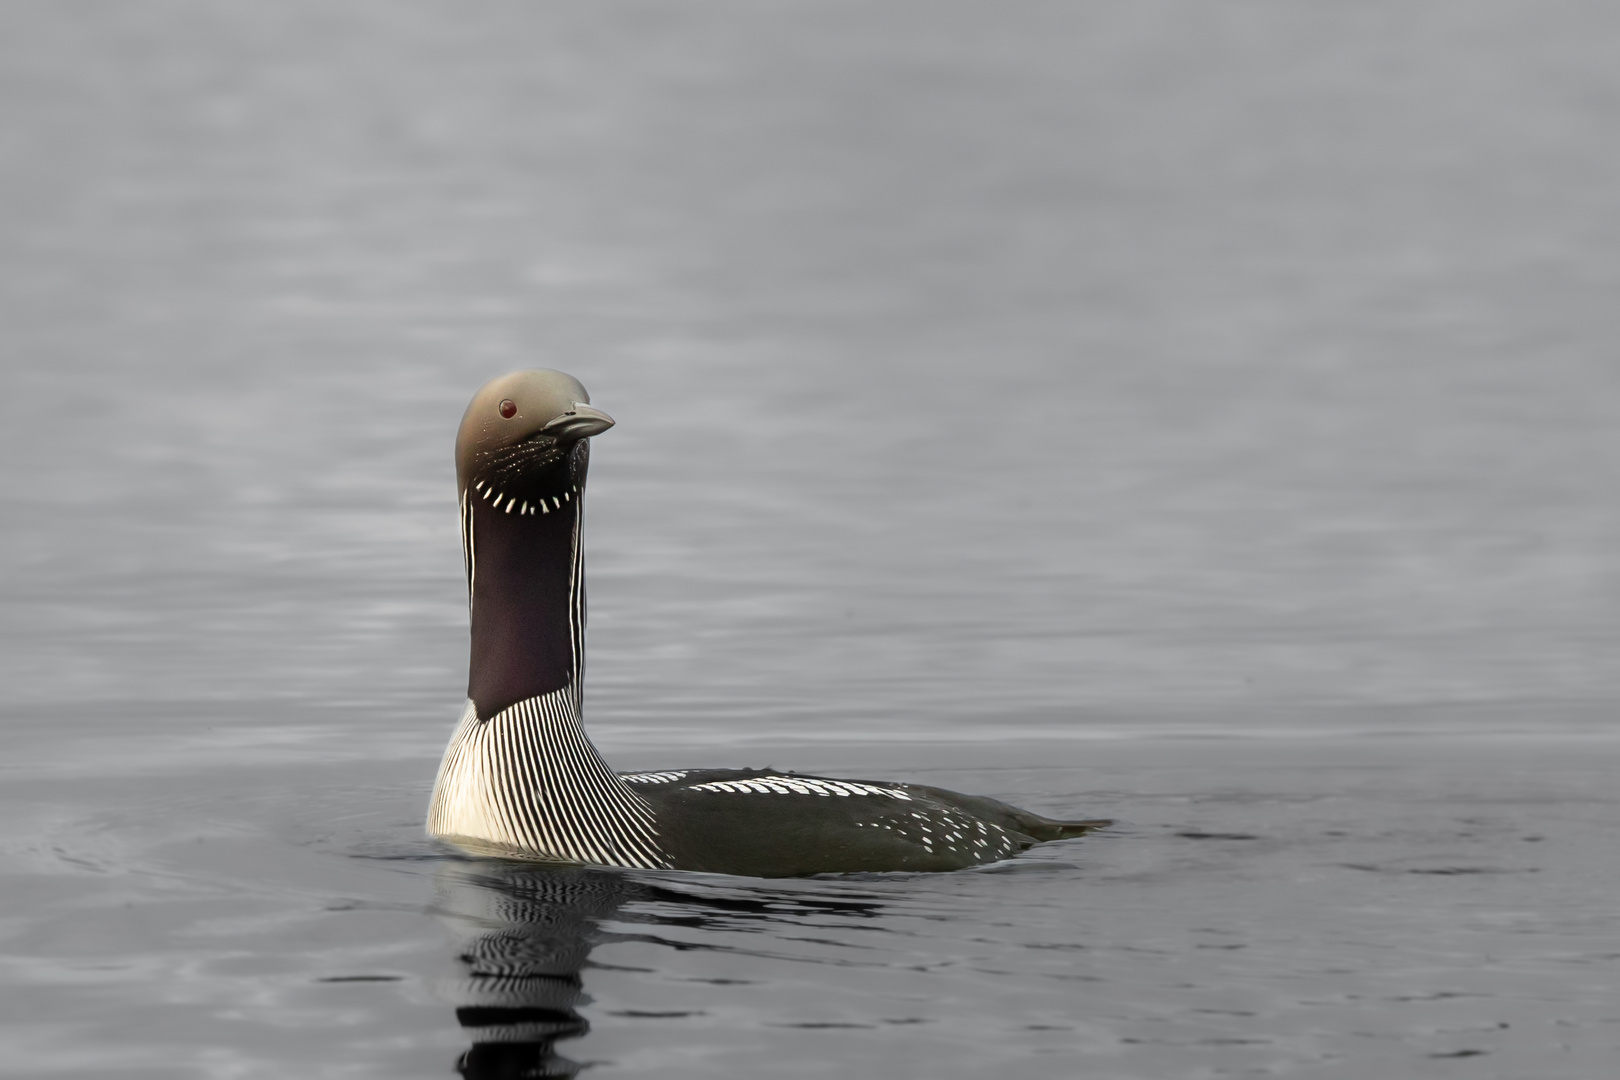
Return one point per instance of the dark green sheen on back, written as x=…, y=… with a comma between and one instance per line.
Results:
x=791, y=834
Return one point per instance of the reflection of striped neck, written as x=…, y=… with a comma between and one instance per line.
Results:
x=520, y=771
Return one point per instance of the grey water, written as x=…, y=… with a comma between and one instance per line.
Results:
x=1204, y=416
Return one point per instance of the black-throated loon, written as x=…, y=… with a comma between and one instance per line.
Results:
x=521, y=779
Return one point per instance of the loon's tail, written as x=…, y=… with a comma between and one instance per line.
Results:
x=1036, y=828
x=1044, y=829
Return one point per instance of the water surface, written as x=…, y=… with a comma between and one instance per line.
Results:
x=1201, y=416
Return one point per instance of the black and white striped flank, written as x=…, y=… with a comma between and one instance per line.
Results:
x=653, y=777
x=801, y=785
x=528, y=779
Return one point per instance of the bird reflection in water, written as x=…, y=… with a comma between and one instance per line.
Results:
x=526, y=931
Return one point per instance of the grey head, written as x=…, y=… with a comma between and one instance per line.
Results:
x=526, y=430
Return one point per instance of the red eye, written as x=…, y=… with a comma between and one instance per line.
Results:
x=508, y=408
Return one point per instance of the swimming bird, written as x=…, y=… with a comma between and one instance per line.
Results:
x=521, y=779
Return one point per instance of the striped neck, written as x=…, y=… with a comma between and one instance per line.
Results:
x=527, y=781
x=520, y=774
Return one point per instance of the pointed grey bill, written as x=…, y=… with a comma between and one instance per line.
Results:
x=579, y=422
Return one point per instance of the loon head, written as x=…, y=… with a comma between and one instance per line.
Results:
x=523, y=437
